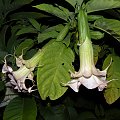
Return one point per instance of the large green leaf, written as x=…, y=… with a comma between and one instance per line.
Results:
x=55, y=10
x=20, y=109
x=112, y=93
x=95, y=5
x=110, y=26
x=56, y=63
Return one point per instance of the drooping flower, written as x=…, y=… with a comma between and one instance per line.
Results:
x=88, y=75
x=25, y=72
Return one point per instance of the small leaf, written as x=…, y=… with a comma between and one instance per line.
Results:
x=63, y=32
x=52, y=10
x=96, y=35
x=112, y=93
x=26, y=30
x=56, y=63
x=20, y=109
x=35, y=24
x=24, y=46
x=94, y=5
x=110, y=26
x=94, y=17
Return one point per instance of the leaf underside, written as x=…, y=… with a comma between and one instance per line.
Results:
x=94, y=5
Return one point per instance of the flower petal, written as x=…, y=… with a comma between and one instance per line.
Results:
x=6, y=68
x=91, y=82
x=74, y=84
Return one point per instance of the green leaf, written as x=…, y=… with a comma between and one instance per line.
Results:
x=20, y=109
x=96, y=50
x=110, y=26
x=51, y=32
x=112, y=93
x=75, y=2
x=9, y=95
x=56, y=28
x=66, y=41
x=23, y=15
x=12, y=39
x=63, y=32
x=46, y=35
x=25, y=30
x=24, y=46
x=94, y=5
x=94, y=17
x=53, y=10
x=35, y=24
x=96, y=35
x=56, y=63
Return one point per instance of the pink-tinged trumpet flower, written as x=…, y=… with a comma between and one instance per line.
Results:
x=25, y=72
x=88, y=75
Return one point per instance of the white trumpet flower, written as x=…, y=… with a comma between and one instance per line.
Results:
x=88, y=75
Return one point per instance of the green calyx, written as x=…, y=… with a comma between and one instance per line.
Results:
x=85, y=49
x=31, y=63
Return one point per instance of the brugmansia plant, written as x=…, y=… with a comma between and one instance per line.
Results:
x=70, y=53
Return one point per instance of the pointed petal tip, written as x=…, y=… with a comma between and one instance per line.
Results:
x=73, y=84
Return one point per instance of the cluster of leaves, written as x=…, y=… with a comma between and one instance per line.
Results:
x=57, y=35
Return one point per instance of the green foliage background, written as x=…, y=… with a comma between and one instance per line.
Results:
x=29, y=25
